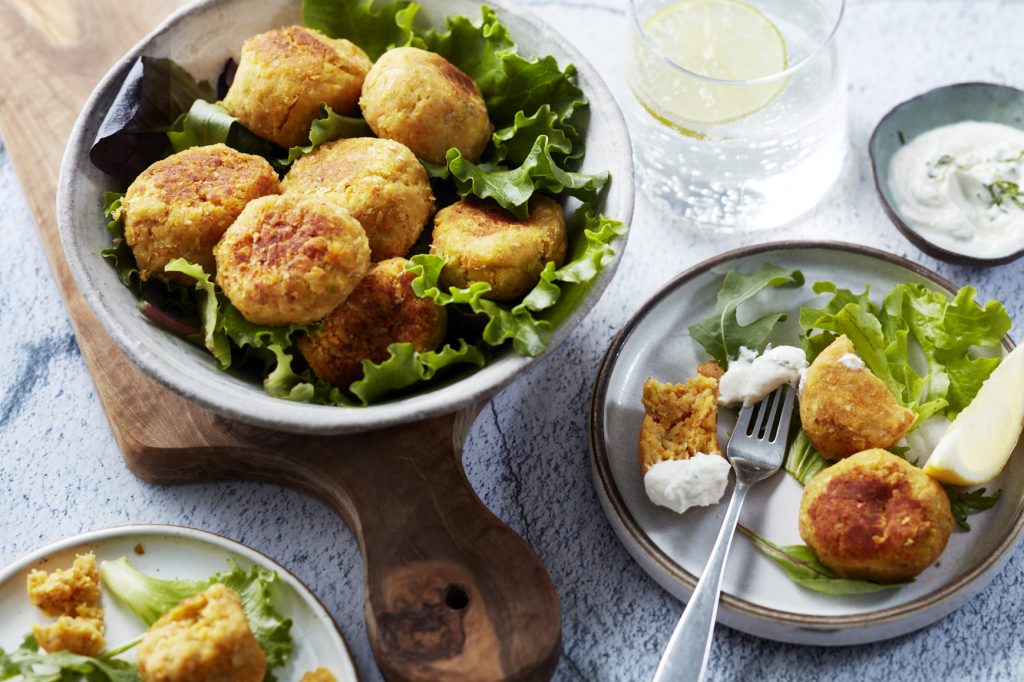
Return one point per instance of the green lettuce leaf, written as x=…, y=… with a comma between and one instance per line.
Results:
x=62, y=666
x=406, y=367
x=721, y=333
x=328, y=127
x=514, y=143
x=375, y=30
x=150, y=597
x=207, y=123
x=962, y=503
x=801, y=566
x=214, y=338
x=803, y=461
x=120, y=254
x=512, y=188
x=478, y=50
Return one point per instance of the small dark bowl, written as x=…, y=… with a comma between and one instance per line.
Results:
x=939, y=107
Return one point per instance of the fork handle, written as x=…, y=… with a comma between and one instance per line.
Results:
x=686, y=656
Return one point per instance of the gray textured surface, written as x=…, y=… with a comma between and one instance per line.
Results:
x=60, y=471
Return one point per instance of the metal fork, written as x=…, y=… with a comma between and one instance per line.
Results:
x=756, y=450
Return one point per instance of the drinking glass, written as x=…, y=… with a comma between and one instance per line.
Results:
x=730, y=153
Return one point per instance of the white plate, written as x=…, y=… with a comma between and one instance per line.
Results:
x=176, y=552
x=757, y=597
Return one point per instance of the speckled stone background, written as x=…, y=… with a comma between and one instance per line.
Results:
x=61, y=473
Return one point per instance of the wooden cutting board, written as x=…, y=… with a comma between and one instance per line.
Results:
x=451, y=592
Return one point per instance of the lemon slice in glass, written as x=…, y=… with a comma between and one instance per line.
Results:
x=724, y=39
x=978, y=443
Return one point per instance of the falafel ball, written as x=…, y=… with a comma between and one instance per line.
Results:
x=283, y=77
x=205, y=638
x=382, y=310
x=874, y=516
x=179, y=207
x=291, y=258
x=379, y=182
x=427, y=103
x=482, y=242
x=844, y=408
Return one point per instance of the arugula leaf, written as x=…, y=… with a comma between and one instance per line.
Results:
x=406, y=367
x=132, y=137
x=207, y=123
x=803, y=461
x=328, y=127
x=150, y=597
x=62, y=666
x=721, y=334
x=512, y=188
x=963, y=502
x=801, y=565
x=374, y=30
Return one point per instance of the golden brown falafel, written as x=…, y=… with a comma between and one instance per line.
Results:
x=205, y=638
x=179, y=207
x=875, y=516
x=379, y=182
x=291, y=258
x=425, y=102
x=283, y=77
x=482, y=242
x=380, y=311
x=844, y=408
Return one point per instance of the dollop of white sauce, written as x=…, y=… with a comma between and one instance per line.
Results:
x=954, y=186
x=751, y=377
x=851, y=361
x=695, y=482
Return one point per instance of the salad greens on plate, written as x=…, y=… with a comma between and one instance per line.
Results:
x=538, y=113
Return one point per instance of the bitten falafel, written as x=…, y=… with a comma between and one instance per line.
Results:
x=291, y=258
x=425, y=102
x=179, y=207
x=482, y=242
x=285, y=74
x=379, y=182
x=205, y=638
x=875, y=516
x=844, y=408
x=382, y=310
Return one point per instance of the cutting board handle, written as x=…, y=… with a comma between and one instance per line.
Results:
x=451, y=592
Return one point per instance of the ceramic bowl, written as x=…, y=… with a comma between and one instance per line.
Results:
x=176, y=552
x=941, y=106
x=201, y=37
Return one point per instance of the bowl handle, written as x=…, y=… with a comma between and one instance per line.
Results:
x=451, y=592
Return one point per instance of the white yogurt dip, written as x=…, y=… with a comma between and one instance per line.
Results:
x=751, y=377
x=961, y=187
x=695, y=482
x=851, y=361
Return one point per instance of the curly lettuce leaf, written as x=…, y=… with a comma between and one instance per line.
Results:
x=514, y=143
x=721, y=333
x=120, y=254
x=29, y=663
x=375, y=30
x=133, y=134
x=406, y=367
x=329, y=126
x=207, y=123
x=150, y=597
x=803, y=462
x=478, y=50
x=512, y=188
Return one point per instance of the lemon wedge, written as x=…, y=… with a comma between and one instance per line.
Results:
x=977, y=444
x=723, y=39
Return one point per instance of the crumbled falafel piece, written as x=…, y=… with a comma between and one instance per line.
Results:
x=78, y=635
x=380, y=311
x=425, y=102
x=285, y=74
x=205, y=638
x=482, y=242
x=680, y=420
x=291, y=258
x=73, y=596
x=379, y=182
x=875, y=516
x=180, y=206
x=319, y=675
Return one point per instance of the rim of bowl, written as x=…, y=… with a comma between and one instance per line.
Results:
x=912, y=235
x=771, y=78
x=599, y=461
x=26, y=560
x=297, y=417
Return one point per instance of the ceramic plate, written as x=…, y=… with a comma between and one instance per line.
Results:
x=176, y=552
x=757, y=597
